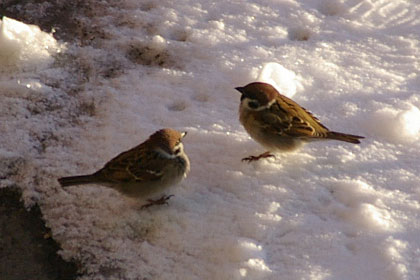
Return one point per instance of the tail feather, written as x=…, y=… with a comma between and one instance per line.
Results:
x=77, y=180
x=344, y=137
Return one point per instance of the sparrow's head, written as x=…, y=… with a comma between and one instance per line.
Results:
x=257, y=96
x=168, y=141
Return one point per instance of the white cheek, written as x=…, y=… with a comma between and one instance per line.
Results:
x=245, y=105
x=180, y=146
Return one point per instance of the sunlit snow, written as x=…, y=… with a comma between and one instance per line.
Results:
x=330, y=210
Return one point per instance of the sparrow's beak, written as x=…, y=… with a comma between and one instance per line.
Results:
x=183, y=134
x=240, y=89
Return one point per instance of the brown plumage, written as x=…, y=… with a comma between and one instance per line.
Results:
x=144, y=170
x=280, y=124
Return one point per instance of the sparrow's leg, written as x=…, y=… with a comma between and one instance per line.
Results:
x=255, y=158
x=163, y=200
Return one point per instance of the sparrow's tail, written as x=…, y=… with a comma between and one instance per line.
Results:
x=78, y=180
x=344, y=137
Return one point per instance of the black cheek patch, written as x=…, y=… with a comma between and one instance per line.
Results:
x=253, y=104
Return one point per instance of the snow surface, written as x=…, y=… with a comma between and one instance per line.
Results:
x=330, y=210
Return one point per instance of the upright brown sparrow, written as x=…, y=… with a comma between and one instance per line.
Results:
x=143, y=171
x=278, y=123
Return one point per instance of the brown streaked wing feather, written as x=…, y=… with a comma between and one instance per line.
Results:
x=303, y=123
x=272, y=122
x=146, y=170
x=129, y=166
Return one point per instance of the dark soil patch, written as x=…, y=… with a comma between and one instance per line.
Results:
x=27, y=250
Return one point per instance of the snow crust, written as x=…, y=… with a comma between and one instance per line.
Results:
x=330, y=210
x=25, y=45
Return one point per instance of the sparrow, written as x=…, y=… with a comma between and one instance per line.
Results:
x=143, y=171
x=280, y=124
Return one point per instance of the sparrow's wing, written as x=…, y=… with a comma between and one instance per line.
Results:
x=136, y=164
x=287, y=118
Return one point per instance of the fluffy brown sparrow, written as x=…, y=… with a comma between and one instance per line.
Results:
x=278, y=123
x=143, y=171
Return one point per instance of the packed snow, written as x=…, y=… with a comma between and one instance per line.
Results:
x=330, y=210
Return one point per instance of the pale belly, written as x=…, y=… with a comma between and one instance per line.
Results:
x=172, y=176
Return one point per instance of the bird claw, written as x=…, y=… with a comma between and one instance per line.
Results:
x=255, y=158
x=163, y=200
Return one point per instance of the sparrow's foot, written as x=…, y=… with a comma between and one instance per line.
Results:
x=255, y=158
x=163, y=200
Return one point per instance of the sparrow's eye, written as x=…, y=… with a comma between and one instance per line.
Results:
x=177, y=151
x=253, y=104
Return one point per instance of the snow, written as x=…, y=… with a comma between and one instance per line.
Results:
x=25, y=45
x=330, y=210
x=284, y=80
x=398, y=125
